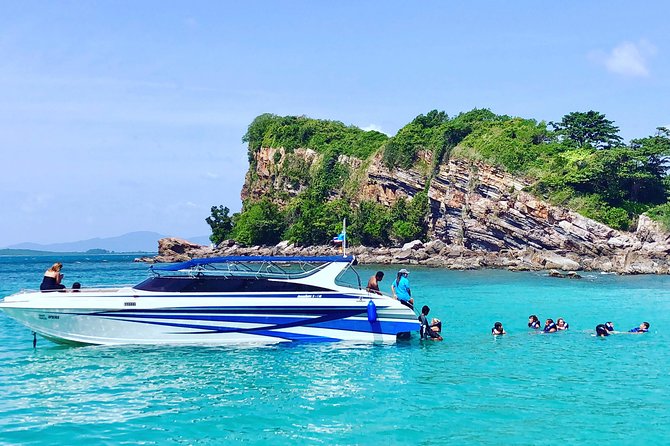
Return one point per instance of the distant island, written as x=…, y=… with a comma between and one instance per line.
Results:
x=132, y=242
x=32, y=252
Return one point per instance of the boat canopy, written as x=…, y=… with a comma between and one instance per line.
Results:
x=196, y=263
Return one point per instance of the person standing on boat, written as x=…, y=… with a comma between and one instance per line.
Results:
x=400, y=289
x=373, y=283
x=52, y=278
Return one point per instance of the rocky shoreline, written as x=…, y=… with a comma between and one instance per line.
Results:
x=640, y=258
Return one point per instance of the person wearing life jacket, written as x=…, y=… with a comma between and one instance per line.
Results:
x=498, y=329
x=427, y=331
x=605, y=329
x=561, y=324
x=643, y=328
x=533, y=322
x=549, y=326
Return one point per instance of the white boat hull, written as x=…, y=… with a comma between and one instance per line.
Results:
x=131, y=316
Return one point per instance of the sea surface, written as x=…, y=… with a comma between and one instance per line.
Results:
x=472, y=388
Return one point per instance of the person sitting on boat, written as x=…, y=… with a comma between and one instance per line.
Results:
x=338, y=240
x=373, y=283
x=549, y=326
x=76, y=287
x=400, y=289
x=643, y=328
x=605, y=329
x=52, y=278
x=427, y=331
x=561, y=324
x=498, y=329
x=533, y=322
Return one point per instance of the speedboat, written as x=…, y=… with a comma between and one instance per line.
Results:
x=220, y=300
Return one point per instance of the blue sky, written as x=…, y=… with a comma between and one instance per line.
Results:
x=123, y=116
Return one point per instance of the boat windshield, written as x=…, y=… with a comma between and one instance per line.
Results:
x=225, y=284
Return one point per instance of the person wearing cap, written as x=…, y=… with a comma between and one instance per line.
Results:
x=400, y=289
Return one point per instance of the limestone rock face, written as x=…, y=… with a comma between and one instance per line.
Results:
x=480, y=216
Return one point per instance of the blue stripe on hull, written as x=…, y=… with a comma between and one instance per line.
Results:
x=336, y=320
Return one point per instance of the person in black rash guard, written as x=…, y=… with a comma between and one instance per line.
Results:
x=52, y=278
x=605, y=329
x=426, y=329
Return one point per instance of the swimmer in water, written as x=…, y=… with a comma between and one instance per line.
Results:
x=561, y=324
x=643, y=328
x=498, y=329
x=533, y=322
x=549, y=326
x=427, y=331
x=605, y=329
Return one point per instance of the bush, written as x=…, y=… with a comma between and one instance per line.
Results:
x=661, y=214
x=291, y=132
x=260, y=224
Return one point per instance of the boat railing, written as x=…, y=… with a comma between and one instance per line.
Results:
x=251, y=267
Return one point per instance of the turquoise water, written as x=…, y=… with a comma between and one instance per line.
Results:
x=523, y=388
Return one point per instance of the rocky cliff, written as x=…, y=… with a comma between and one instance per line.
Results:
x=475, y=208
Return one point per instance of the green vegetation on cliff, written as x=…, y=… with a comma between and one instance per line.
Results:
x=580, y=162
x=292, y=132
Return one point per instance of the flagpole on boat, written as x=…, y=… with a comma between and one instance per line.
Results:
x=344, y=238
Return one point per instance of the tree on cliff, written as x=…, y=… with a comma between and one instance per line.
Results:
x=590, y=129
x=221, y=224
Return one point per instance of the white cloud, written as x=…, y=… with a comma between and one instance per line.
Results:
x=628, y=58
x=373, y=127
